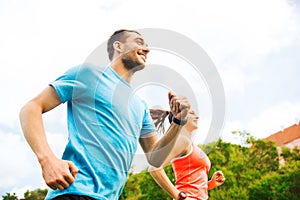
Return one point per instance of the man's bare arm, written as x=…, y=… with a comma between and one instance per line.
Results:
x=158, y=150
x=56, y=172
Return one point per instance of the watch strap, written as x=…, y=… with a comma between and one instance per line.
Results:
x=179, y=122
x=182, y=196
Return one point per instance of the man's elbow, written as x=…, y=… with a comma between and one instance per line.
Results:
x=22, y=112
x=154, y=170
x=154, y=160
x=27, y=110
x=155, y=163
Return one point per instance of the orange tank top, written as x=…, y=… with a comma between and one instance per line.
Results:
x=191, y=173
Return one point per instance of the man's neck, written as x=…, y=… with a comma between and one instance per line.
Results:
x=120, y=69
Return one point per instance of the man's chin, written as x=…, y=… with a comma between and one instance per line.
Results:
x=133, y=66
x=138, y=68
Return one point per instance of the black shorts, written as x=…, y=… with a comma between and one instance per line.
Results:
x=72, y=197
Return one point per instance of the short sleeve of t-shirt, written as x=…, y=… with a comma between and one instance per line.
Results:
x=148, y=125
x=65, y=84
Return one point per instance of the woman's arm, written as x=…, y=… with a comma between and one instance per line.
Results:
x=161, y=178
x=217, y=179
x=159, y=174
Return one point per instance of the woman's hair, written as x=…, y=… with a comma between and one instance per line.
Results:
x=118, y=35
x=158, y=116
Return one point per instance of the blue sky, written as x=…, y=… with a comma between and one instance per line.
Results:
x=254, y=45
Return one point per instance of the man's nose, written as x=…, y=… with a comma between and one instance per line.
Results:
x=146, y=50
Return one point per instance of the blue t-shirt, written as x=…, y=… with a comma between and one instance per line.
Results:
x=105, y=121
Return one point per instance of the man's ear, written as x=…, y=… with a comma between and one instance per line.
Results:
x=117, y=46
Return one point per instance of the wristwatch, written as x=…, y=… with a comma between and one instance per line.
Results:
x=182, y=195
x=179, y=122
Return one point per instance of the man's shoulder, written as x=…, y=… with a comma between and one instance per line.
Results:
x=84, y=70
x=90, y=67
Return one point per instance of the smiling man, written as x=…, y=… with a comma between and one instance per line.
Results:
x=106, y=120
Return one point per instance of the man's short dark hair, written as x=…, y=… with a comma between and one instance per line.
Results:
x=118, y=35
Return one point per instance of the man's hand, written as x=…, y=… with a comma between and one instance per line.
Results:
x=58, y=174
x=218, y=178
x=179, y=106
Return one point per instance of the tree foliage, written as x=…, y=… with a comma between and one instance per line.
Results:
x=38, y=194
x=9, y=196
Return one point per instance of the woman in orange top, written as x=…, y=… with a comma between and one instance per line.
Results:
x=189, y=163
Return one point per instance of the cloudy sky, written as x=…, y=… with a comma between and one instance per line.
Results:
x=254, y=45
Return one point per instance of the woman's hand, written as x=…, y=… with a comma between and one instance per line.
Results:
x=218, y=178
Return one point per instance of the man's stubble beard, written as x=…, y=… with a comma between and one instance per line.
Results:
x=132, y=65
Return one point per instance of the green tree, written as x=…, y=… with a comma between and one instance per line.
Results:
x=281, y=185
x=150, y=189
x=38, y=194
x=131, y=189
x=229, y=158
x=290, y=155
x=241, y=165
x=9, y=196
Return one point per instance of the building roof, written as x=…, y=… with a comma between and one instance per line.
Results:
x=285, y=136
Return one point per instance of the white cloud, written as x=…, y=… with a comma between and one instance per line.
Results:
x=16, y=160
x=57, y=142
x=234, y=80
x=274, y=119
x=269, y=121
x=241, y=31
x=19, y=167
x=229, y=127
